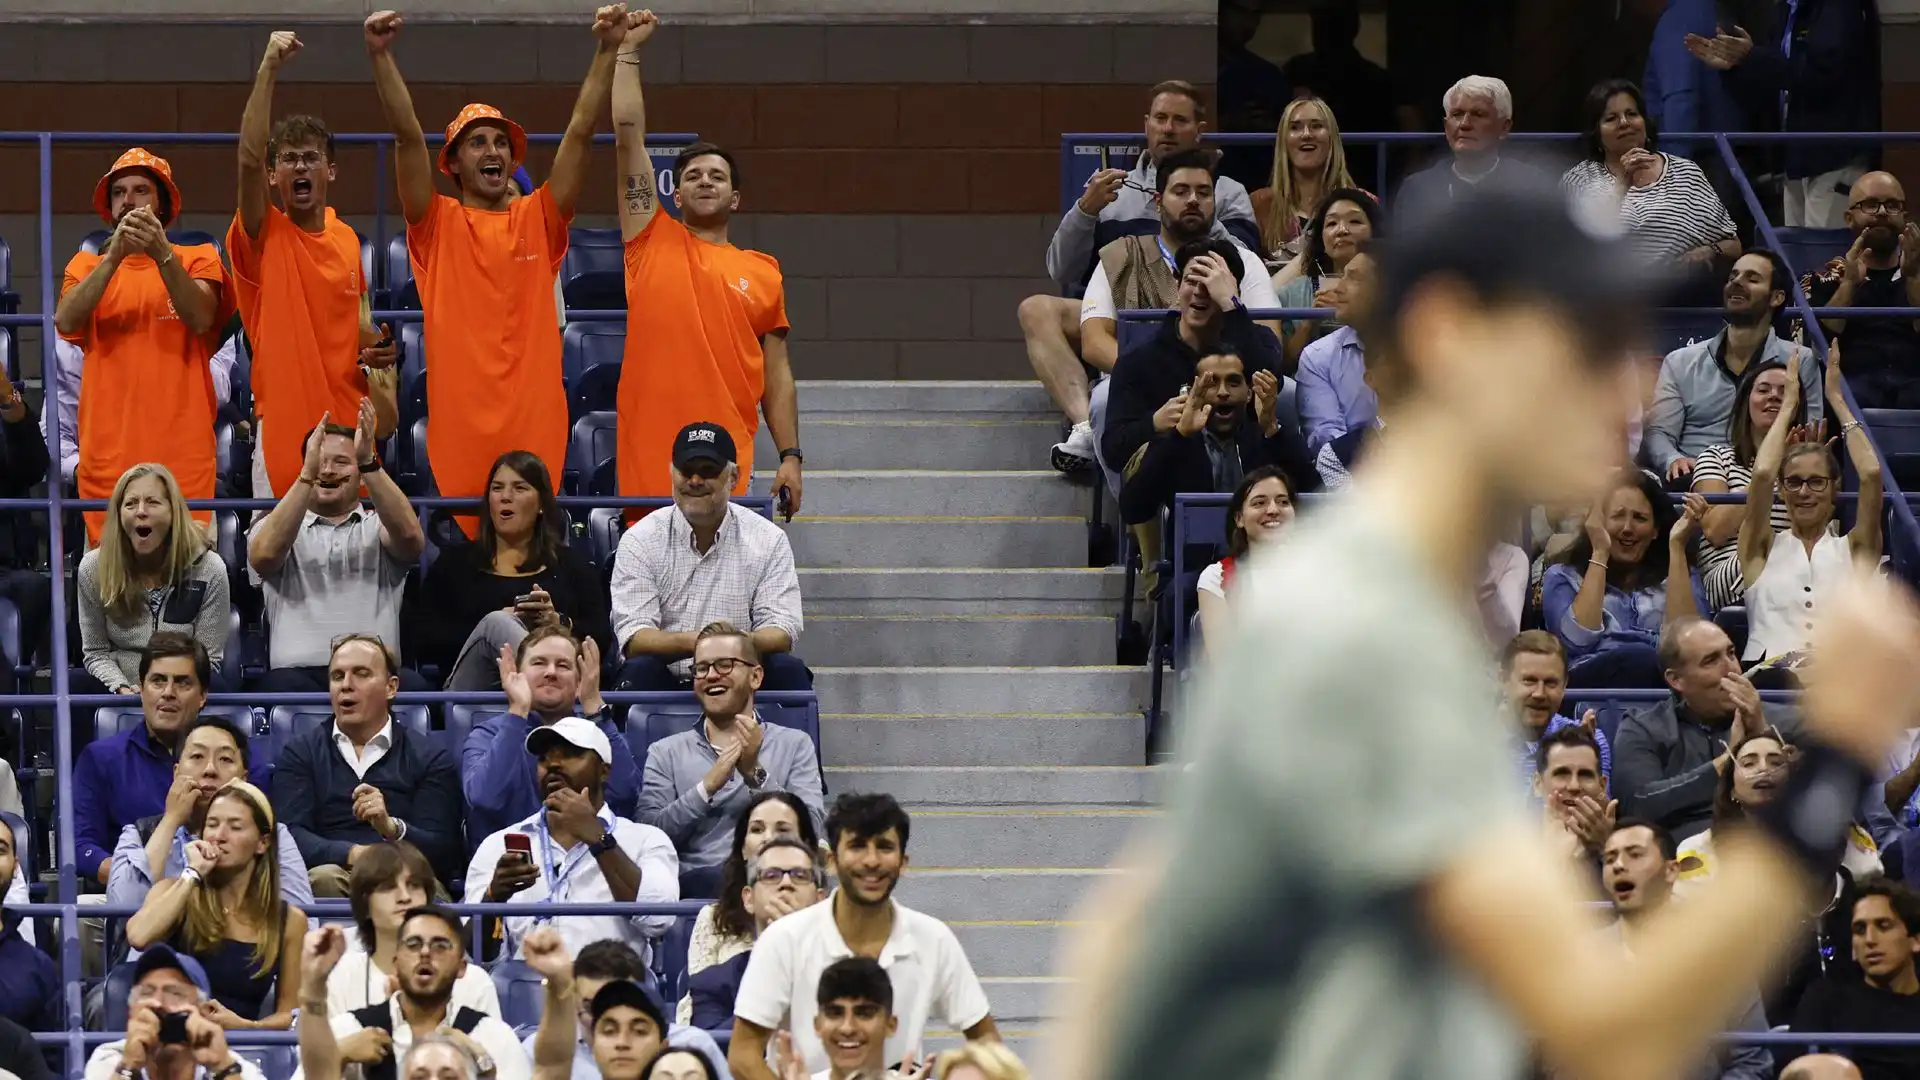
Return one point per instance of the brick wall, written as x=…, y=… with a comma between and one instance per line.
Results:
x=905, y=175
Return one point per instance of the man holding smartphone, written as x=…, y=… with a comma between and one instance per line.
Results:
x=167, y=1037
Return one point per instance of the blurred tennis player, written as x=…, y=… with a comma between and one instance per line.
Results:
x=1347, y=885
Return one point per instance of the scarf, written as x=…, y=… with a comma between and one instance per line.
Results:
x=1140, y=275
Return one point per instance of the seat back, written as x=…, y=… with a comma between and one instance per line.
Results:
x=1199, y=524
x=591, y=353
x=595, y=440
x=287, y=722
x=119, y=987
x=522, y=995
x=649, y=722
x=413, y=371
x=593, y=273
x=111, y=720
x=1131, y=333
x=415, y=475
x=398, y=280
x=1807, y=250
x=1897, y=433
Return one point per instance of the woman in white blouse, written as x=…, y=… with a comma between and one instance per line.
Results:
x=388, y=881
x=1789, y=573
x=1259, y=512
x=1670, y=211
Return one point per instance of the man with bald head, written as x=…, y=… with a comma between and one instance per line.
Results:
x=1821, y=1067
x=1881, y=269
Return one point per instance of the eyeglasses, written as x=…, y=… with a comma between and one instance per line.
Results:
x=722, y=667
x=774, y=875
x=173, y=995
x=1815, y=484
x=293, y=159
x=1879, y=206
x=437, y=946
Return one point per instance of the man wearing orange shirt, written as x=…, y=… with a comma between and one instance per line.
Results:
x=485, y=265
x=148, y=316
x=301, y=288
x=706, y=321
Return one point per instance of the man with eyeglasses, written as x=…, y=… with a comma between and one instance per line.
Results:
x=783, y=878
x=167, y=1037
x=1881, y=269
x=302, y=290
x=575, y=850
x=695, y=784
x=431, y=956
x=703, y=560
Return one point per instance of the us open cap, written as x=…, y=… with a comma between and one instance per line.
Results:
x=703, y=442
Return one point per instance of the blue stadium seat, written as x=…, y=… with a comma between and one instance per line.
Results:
x=604, y=526
x=1897, y=433
x=9, y=299
x=369, y=273
x=590, y=360
x=1197, y=521
x=1669, y=332
x=224, y=445
x=111, y=720
x=1609, y=712
x=12, y=648
x=670, y=959
x=415, y=473
x=593, y=273
x=1807, y=250
x=284, y=722
x=593, y=445
x=413, y=372
x=460, y=722
x=649, y=723
x=522, y=995
x=398, y=278
x=240, y=393
x=1131, y=333
x=119, y=987
x=7, y=352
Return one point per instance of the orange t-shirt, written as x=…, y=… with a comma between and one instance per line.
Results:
x=696, y=312
x=299, y=295
x=146, y=392
x=494, y=381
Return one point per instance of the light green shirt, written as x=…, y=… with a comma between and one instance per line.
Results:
x=1344, y=754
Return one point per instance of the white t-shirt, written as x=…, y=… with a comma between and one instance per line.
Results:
x=510, y=1062
x=1214, y=580
x=1256, y=288
x=922, y=958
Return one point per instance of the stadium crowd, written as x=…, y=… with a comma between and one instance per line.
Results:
x=801, y=963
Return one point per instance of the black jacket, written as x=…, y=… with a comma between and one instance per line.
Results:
x=1831, y=76
x=313, y=792
x=1178, y=465
x=1151, y=373
x=23, y=468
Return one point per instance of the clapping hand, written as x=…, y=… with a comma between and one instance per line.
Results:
x=1266, y=395
x=514, y=682
x=364, y=443
x=1722, y=51
x=1693, y=510
x=1197, y=411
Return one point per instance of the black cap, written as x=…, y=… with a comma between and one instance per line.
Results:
x=632, y=994
x=1524, y=239
x=703, y=442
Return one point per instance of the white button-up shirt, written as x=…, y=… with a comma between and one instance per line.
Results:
x=106, y=1059
x=510, y=1062
x=929, y=971
x=573, y=876
x=661, y=582
x=375, y=749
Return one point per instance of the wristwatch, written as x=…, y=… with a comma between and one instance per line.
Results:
x=231, y=1068
x=758, y=778
x=372, y=464
x=603, y=845
x=484, y=1064
x=794, y=453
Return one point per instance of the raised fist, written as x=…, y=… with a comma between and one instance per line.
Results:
x=281, y=44
x=381, y=28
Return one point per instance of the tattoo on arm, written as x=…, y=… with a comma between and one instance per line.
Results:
x=639, y=194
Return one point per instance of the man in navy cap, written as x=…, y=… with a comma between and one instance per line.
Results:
x=705, y=561
x=167, y=1037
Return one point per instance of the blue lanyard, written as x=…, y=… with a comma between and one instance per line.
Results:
x=559, y=868
x=1165, y=254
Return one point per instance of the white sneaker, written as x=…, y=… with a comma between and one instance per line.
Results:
x=1076, y=454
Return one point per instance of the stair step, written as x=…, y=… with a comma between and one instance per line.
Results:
x=1025, y=999
x=1011, y=948
x=947, y=740
x=962, y=591
x=936, y=493
x=959, y=640
x=827, y=397
x=1024, y=836
x=982, y=691
x=938, y=541
x=961, y=895
x=1001, y=785
x=1027, y=1043
x=888, y=442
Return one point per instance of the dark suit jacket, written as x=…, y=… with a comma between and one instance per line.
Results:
x=313, y=794
x=1174, y=465
x=713, y=989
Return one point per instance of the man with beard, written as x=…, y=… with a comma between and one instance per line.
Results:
x=1693, y=399
x=327, y=567
x=1533, y=676
x=1886, y=943
x=485, y=265
x=1639, y=872
x=575, y=850
x=544, y=676
x=697, y=783
x=706, y=321
x=148, y=316
x=923, y=959
x=1229, y=427
x=154, y=848
x=429, y=959
x=1881, y=269
x=301, y=288
x=1137, y=271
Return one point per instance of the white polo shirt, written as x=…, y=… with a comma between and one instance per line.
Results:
x=922, y=958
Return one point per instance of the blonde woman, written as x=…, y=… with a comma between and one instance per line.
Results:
x=154, y=570
x=225, y=910
x=1308, y=162
x=979, y=1061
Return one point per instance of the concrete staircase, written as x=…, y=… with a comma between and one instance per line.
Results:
x=963, y=654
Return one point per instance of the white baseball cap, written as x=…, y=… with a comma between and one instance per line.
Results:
x=574, y=731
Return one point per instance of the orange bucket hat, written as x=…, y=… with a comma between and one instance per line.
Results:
x=137, y=158
x=474, y=114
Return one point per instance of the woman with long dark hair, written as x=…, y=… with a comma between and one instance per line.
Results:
x=724, y=928
x=1629, y=574
x=1258, y=514
x=1346, y=221
x=517, y=574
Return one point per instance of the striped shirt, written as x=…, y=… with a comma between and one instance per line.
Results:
x=1720, y=566
x=661, y=582
x=1665, y=219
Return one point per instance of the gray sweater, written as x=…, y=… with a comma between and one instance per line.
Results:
x=111, y=645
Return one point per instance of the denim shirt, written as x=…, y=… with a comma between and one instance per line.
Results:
x=1334, y=397
x=1626, y=618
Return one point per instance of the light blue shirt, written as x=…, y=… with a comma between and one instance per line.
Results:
x=679, y=1037
x=130, y=878
x=1626, y=618
x=1334, y=396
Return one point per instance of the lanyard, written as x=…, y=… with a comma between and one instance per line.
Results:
x=1164, y=253
x=558, y=867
